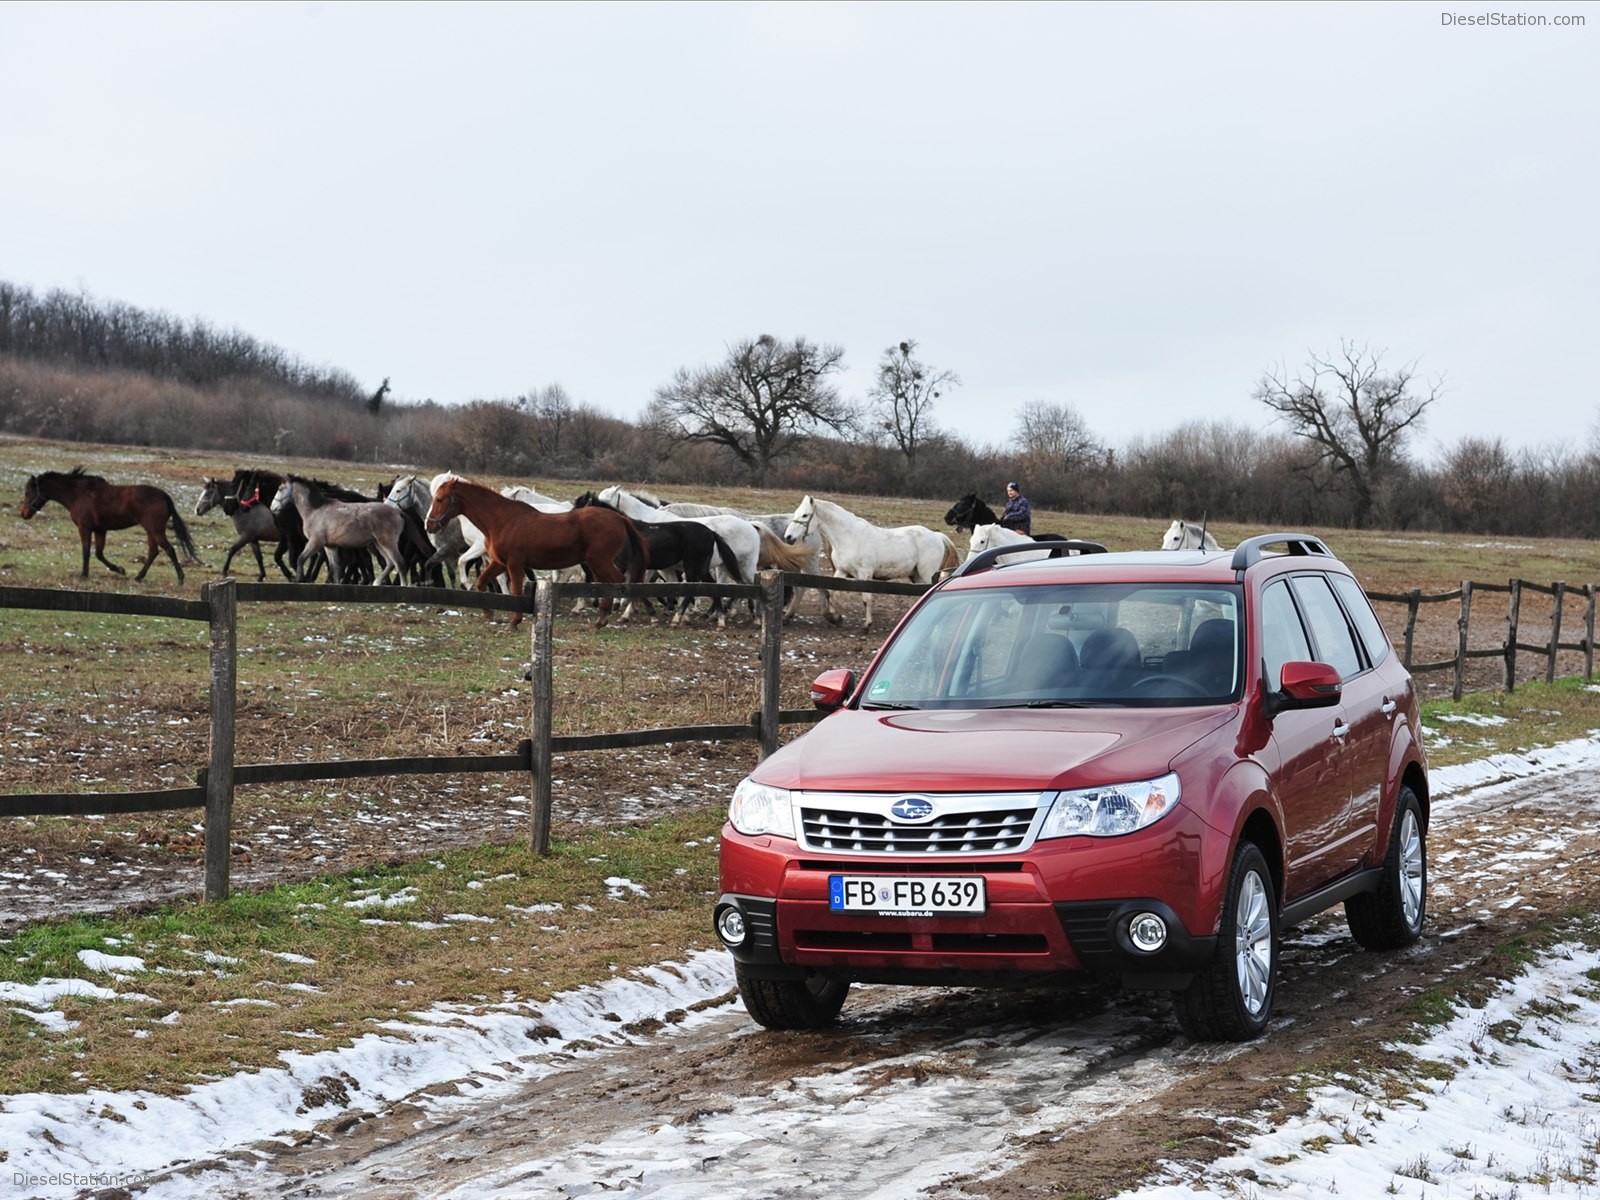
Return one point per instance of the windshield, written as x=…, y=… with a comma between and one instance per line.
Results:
x=1065, y=645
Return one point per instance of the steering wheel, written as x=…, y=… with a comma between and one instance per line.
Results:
x=1186, y=686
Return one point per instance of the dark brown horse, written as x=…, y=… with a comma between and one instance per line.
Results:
x=520, y=538
x=97, y=506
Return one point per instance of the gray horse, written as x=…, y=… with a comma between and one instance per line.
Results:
x=253, y=520
x=334, y=525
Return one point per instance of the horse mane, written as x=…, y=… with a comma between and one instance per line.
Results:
x=969, y=512
x=322, y=491
x=75, y=473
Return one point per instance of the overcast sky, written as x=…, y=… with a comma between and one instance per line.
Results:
x=1131, y=209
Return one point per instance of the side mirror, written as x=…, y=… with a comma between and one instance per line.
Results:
x=832, y=688
x=1305, y=685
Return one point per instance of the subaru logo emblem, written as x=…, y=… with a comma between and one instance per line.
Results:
x=911, y=808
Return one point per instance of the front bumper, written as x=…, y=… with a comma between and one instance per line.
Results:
x=1061, y=912
x=1061, y=943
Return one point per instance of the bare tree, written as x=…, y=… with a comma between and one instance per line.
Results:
x=1059, y=453
x=1055, y=434
x=553, y=413
x=903, y=395
x=1356, y=415
x=759, y=403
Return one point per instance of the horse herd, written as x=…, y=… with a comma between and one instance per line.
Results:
x=417, y=531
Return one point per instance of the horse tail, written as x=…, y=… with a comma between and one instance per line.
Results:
x=181, y=531
x=730, y=560
x=639, y=559
x=952, y=556
x=775, y=552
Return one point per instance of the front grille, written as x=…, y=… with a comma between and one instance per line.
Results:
x=984, y=831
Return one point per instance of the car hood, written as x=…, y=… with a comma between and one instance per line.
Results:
x=945, y=750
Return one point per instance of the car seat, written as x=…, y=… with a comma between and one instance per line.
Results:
x=1112, y=658
x=1211, y=656
x=1046, y=661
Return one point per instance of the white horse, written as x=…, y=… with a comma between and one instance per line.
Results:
x=1186, y=535
x=987, y=537
x=741, y=535
x=862, y=550
x=813, y=550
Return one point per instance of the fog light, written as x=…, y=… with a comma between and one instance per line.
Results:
x=730, y=926
x=1148, y=932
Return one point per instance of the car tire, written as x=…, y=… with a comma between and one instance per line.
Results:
x=810, y=1003
x=1231, y=998
x=1392, y=916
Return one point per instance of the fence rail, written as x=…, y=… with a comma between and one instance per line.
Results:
x=218, y=606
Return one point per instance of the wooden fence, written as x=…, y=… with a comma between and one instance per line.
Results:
x=1506, y=651
x=219, y=603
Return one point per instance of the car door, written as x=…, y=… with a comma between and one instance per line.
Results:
x=1311, y=785
x=1381, y=692
x=1362, y=715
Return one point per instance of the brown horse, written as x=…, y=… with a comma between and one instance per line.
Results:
x=519, y=538
x=97, y=506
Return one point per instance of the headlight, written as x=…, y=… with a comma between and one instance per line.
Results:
x=757, y=808
x=1109, y=811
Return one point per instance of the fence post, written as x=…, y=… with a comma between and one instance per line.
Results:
x=546, y=595
x=771, y=658
x=1411, y=621
x=1555, y=630
x=223, y=601
x=1513, y=608
x=1461, y=639
x=1588, y=632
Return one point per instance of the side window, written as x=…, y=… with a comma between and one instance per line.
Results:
x=1282, y=637
x=1331, y=633
x=1366, y=621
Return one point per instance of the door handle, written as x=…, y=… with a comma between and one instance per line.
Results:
x=1388, y=707
x=1340, y=730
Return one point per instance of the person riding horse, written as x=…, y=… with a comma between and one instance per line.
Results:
x=1018, y=512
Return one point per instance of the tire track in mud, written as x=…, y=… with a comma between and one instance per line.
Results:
x=945, y=1092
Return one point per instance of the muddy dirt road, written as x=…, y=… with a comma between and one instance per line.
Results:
x=944, y=1093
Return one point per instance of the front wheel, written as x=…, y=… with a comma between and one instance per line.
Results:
x=810, y=1003
x=1391, y=917
x=1231, y=998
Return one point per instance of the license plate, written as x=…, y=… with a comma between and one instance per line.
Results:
x=907, y=895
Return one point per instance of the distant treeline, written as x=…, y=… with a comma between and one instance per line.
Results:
x=73, y=329
x=75, y=369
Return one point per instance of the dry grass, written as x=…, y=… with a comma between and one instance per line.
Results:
x=227, y=987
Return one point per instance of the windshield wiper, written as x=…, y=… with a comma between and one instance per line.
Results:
x=878, y=705
x=1060, y=704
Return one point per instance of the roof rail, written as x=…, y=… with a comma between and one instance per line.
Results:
x=1058, y=547
x=1249, y=552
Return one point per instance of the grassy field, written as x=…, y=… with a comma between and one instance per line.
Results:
x=320, y=960
x=44, y=552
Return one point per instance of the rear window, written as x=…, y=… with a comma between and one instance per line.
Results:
x=1334, y=639
x=1366, y=621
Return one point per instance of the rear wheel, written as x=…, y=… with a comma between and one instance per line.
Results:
x=810, y=1003
x=1392, y=916
x=1231, y=999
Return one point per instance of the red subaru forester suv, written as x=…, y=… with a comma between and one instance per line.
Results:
x=1143, y=766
